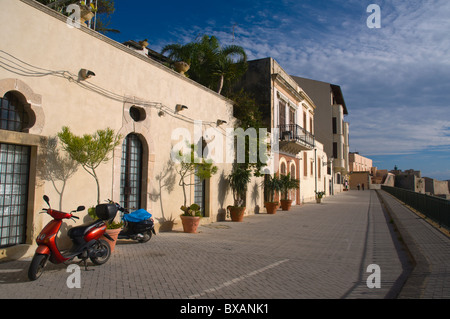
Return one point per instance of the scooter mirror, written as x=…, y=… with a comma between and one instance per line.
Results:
x=47, y=200
x=80, y=208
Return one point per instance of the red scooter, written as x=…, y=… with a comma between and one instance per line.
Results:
x=86, y=239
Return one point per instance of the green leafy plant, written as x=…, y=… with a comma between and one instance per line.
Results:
x=188, y=165
x=110, y=225
x=90, y=150
x=211, y=64
x=319, y=194
x=272, y=185
x=193, y=210
x=239, y=179
x=90, y=7
x=103, y=8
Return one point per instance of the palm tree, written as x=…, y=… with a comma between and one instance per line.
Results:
x=178, y=52
x=211, y=64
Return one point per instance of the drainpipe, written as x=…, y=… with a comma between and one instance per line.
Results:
x=315, y=166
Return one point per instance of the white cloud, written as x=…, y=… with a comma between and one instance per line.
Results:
x=403, y=130
x=395, y=79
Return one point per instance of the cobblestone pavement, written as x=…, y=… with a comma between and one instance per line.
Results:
x=313, y=251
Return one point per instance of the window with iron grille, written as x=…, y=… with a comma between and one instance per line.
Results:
x=14, y=171
x=199, y=193
x=131, y=173
x=13, y=116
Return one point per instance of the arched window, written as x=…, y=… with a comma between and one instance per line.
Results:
x=283, y=168
x=293, y=174
x=13, y=116
x=131, y=173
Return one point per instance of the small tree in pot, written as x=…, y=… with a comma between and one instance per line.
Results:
x=239, y=179
x=287, y=184
x=190, y=165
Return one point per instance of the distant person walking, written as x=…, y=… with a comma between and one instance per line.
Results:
x=363, y=186
x=359, y=186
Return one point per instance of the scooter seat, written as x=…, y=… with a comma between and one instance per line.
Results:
x=80, y=231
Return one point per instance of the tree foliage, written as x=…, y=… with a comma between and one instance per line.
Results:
x=90, y=150
x=189, y=164
x=105, y=8
x=211, y=64
x=288, y=183
x=239, y=179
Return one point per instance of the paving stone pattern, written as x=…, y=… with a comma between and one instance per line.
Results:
x=314, y=251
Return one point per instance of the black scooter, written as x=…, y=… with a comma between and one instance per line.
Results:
x=138, y=225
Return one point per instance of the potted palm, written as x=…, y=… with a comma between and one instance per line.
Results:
x=189, y=165
x=272, y=186
x=319, y=196
x=238, y=180
x=287, y=184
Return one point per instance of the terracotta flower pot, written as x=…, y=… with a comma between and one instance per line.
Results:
x=286, y=204
x=236, y=213
x=190, y=223
x=113, y=233
x=271, y=207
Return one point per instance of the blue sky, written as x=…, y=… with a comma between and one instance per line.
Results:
x=395, y=79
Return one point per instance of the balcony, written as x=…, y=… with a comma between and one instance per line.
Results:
x=294, y=139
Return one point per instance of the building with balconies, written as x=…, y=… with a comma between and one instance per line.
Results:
x=331, y=129
x=289, y=111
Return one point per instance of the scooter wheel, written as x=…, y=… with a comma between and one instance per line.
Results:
x=102, y=252
x=146, y=237
x=37, y=266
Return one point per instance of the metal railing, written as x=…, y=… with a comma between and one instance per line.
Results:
x=297, y=133
x=435, y=208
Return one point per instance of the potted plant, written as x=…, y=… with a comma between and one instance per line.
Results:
x=272, y=186
x=181, y=67
x=319, y=196
x=287, y=184
x=112, y=228
x=190, y=218
x=181, y=55
x=87, y=12
x=238, y=179
x=190, y=165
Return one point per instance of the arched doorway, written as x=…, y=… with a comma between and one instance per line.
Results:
x=131, y=172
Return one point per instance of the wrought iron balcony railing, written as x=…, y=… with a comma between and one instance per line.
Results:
x=297, y=134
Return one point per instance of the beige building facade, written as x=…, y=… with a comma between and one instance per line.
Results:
x=43, y=63
x=358, y=163
x=287, y=109
x=331, y=129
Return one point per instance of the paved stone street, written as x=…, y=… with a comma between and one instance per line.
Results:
x=313, y=251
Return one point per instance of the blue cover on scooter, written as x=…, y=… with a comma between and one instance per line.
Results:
x=137, y=216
